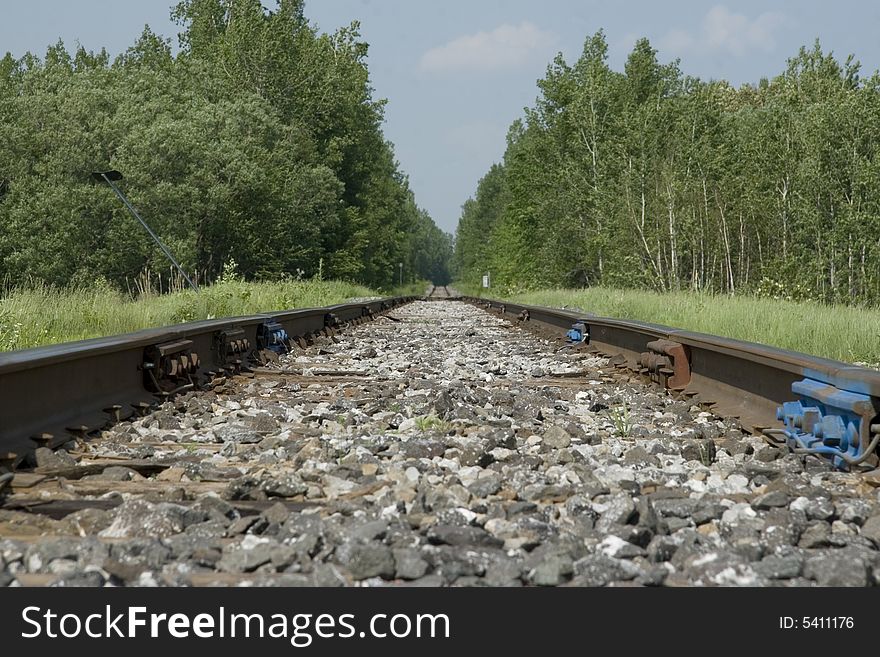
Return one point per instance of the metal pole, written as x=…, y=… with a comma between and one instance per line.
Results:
x=149, y=230
x=400, y=265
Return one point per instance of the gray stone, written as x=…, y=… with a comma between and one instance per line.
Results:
x=647, y=515
x=871, y=529
x=754, y=469
x=576, y=505
x=835, y=569
x=486, y=485
x=855, y=511
x=288, y=486
x=137, y=518
x=369, y=531
x=115, y=473
x=676, y=507
x=247, y=556
x=82, y=579
x=503, y=572
x=620, y=509
x=675, y=524
x=600, y=570
x=244, y=488
x=720, y=568
x=236, y=433
x=768, y=454
x=88, y=522
x=46, y=458
x=365, y=560
x=556, y=438
x=640, y=456
x=816, y=535
x=328, y=575
x=409, y=564
x=771, y=500
x=553, y=570
x=261, y=423
x=707, y=512
x=783, y=527
x=652, y=575
x=735, y=445
x=241, y=525
x=462, y=536
x=423, y=448
x=661, y=548
x=129, y=558
x=620, y=548
x=277, y=513
x=635, y=534
x=780, y=567
x=701, y=450
x=38, y=556
x=215, y=508
x=207, y=529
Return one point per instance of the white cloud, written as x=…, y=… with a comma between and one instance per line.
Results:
x=505, y=47
x=727, y=31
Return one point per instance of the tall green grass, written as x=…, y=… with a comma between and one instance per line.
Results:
x=846, y=333
x=41, y=315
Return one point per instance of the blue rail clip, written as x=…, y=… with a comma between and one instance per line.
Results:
x=272, y=336
x=829, y=421
x=578, y=332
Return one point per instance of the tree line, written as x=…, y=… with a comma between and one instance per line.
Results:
x=652, y=178
x=259, y=141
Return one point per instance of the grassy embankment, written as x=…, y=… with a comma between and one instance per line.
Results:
x=846, y=333
x=46, y=315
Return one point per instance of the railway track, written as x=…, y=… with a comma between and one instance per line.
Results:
x=404, y=441
x=439, y=292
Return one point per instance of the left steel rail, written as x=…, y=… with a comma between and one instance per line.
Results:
x=49, y=395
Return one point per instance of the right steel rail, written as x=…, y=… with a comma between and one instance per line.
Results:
x=816, y=405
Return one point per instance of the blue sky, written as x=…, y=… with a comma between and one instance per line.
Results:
x=456, y=73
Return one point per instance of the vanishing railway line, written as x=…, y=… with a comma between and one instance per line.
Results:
x=431, y=441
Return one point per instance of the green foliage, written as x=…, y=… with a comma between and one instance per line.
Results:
x=259, y=143
x=621, y=420
x=648, y=178
x=428, y=423
x=835, y=331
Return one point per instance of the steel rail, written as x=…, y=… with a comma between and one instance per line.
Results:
x=752, y=382
x=51, y=394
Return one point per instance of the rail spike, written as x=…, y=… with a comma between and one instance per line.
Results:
x=232, y=348
x=170, y=367
x=832, y=422
x=666, y=363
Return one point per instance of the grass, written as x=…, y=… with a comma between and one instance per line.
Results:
x=846, y=333
x=416, y=289
x=426, y=423
x=621, y=420
x=43, y=315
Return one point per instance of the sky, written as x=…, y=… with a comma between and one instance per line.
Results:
x=456, y=73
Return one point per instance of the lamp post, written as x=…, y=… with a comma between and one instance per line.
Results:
x=400, y=266
x=109, y=177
